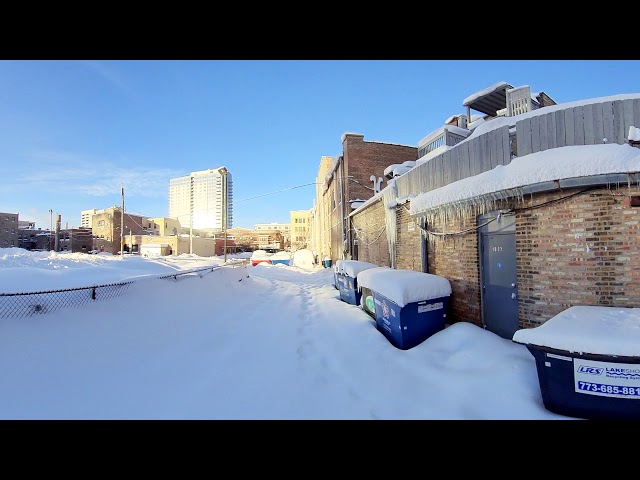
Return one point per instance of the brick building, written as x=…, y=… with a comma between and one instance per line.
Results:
x=8, y=230
x=354, y=177
x=107, y=232
x=518, y=256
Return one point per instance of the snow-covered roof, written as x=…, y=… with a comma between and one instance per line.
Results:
x=453, y=117
x=433, y=153
x=395, y=169
x=546, y=166
x=511, y=121
x=486, y=91
x=439, y=131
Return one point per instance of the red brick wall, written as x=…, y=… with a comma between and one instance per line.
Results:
x=570, y=250
x=408, y=244
x=580, y=251
x=573, y=248
x=369, y=226
x=363, y=159
x=455, y=257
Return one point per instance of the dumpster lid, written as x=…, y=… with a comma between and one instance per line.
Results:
x=598, y=330
x=353, y=267
x=404, y=286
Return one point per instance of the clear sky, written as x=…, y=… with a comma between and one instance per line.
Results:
x=73, y=131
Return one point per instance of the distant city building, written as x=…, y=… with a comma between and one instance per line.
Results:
x=26, y=224
x=165, y=226
x=198, y=201
x=319, y=231
x=107, y=234
x=279, y=227
x=86, y=217
x=299, y=229
x=8, y=230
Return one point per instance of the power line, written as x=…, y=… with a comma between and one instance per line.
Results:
x=272, y=193
x=279, y=191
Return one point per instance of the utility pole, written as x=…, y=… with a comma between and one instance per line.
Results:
x=56, y=238
x=50, y=228
x=224, y=210
x=191, y=214
x=130, y=241
x=122, y=224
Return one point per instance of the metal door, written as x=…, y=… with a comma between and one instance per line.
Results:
x=498, y=274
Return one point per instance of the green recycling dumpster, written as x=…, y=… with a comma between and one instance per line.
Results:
x=410, y=306
x=367, y=277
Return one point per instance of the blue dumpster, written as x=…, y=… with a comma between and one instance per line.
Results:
x=281, y=258
x=410, y=306
x=326, y=262
x=588, y=362
x=348, y=279
x=336, y=270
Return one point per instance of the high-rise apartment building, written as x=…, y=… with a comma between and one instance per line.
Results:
x=198, y=200
x=86, y=217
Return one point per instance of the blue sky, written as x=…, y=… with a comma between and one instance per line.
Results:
x=73, y=131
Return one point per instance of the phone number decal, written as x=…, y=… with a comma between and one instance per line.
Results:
x=609, y=389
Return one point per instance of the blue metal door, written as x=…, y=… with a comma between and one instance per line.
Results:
x=498, y=274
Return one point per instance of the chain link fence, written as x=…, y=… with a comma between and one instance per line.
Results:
x=15, y=305
x=34, y=303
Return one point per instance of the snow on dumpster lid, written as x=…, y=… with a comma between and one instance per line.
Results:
x=260, y=255
x=597, y=330
x=354, y=267
x=404, y=286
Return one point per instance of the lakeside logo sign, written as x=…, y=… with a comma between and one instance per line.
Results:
x=607, y=379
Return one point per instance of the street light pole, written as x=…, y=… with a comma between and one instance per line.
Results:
x=50, y=226
x=122, y=224
x=224, y=211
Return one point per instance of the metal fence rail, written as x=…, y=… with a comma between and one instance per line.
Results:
x=34, y=303
x=15, y=305
x=200, y=272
